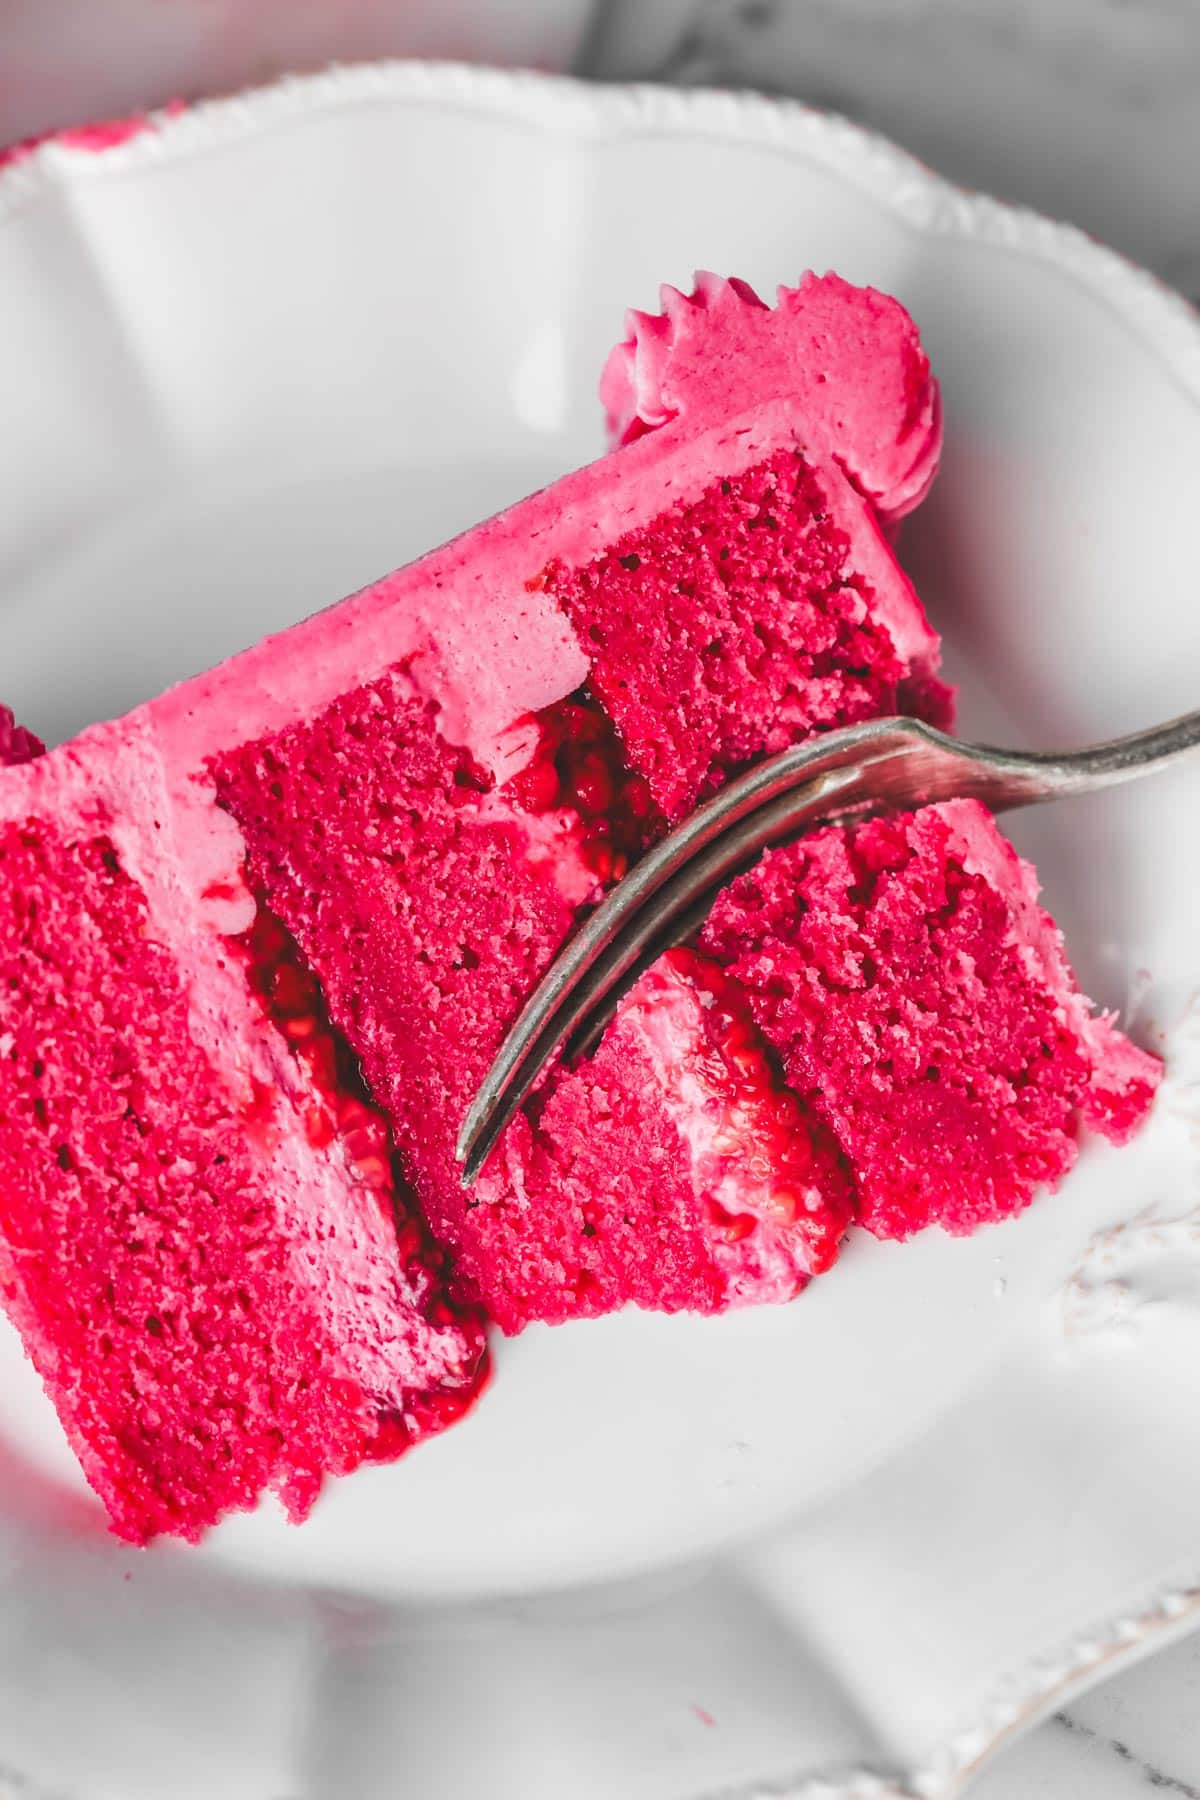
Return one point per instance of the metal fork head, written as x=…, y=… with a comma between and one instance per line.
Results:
x=887, y=764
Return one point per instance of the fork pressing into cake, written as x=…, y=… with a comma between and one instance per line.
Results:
x=886, y=765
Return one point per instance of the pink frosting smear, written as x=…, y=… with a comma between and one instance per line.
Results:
x=105, y=134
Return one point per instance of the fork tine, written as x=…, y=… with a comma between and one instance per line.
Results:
x=583, y=1039
x=584, y=985
x=735, y=801
x=643, y=915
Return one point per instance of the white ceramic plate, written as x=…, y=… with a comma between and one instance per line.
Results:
x=253, y=359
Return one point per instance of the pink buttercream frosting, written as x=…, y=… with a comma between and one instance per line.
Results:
x=848, y=358
x=103, y=134
x=479, y=635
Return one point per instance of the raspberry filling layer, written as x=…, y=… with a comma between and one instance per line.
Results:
x=730, y=628
x=674, y=1169
x=578, y=764
x=753, y=1145
x=921, y=1003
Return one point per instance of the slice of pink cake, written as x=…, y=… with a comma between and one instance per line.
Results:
x=260, y=939
x=920, y=1003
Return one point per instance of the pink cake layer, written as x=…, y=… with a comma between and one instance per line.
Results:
x=707, y=651
x=920, y=1003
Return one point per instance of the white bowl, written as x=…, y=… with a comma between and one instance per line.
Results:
x=272, y=347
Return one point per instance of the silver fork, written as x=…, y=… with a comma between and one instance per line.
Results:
x=888, y=764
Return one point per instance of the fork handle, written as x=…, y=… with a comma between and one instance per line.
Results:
x=1104, y=765
x=916, y=765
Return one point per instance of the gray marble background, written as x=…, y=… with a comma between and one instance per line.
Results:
x=1084, y=109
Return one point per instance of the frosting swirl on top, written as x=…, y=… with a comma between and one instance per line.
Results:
x=848, y=357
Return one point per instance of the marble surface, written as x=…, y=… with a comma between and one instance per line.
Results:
x=1083, y=109
x=1137, y=1735
x=1087, y=110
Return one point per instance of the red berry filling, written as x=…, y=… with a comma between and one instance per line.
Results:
x=672, y=1169
x=579, y=763
x=765, y=1148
